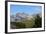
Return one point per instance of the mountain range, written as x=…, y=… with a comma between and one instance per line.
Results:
x=21, y=16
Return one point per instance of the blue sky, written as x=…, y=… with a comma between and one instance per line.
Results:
x=25, y=8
